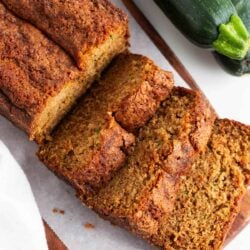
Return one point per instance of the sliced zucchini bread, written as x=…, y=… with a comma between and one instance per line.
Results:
x=39, y=82
x=143, y=191
x=90, y=144
x=210, y=195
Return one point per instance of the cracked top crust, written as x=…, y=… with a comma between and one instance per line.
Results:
x=210, y=194
x=90, y=144
x=77, y=26
x=145, y=188
x=32, y=68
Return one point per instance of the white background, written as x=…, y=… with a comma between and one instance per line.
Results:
x=229, y=95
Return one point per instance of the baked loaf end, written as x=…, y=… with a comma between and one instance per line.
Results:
x=90, y=144
x=144, y=189
x=37, y=79
x=209, y=195
x=90, y=31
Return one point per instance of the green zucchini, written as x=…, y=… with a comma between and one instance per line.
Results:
x=237, y=67
x=234, y=67
x=243, y=10
x=212, y=24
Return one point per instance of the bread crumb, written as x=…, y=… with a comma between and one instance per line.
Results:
x=58, y=211
x=89, y=226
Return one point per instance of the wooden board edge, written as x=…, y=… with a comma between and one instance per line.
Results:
x=54, y=242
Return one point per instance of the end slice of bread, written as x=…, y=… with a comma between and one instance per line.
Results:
x=39, y=82
x=90, y=144
x=144, y=189
x=210, y=195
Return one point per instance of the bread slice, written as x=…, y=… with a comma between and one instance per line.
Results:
x=209, y=195
x=90, y=144
x=39, y=82
x=90, y=31
x=144, y=189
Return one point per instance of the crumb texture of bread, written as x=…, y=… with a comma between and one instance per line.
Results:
x=144, y=189
x=89, y=145
x=210, y=195
x=81, y=27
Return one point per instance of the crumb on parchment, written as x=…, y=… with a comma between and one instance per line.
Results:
x=89, y=226
x=58, y=211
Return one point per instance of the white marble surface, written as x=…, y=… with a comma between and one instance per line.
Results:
x=51, y=193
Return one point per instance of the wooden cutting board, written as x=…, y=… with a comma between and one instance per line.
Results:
x=54, y=243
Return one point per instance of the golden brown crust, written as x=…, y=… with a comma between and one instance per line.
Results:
x=77, y=26
x=101, y=164
x=149, y=86
x=184, y=150
x=88, y=147
x=135, y=109
x=39, y=81
x=144, y=190
x=32, y=69
x=114, y=140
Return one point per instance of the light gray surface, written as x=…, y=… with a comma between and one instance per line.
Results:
x=51, y=193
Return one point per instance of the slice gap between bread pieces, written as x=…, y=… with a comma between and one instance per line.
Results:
x=144, y=189
x=39, y=81
x=90, y=144
x=210, y=195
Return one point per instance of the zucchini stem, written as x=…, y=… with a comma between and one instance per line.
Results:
x=233, y=40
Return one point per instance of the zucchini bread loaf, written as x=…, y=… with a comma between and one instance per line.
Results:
x=39, y=82
x=90, y=144
x=143, y=191
x=90, y=31
x=209, y=195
